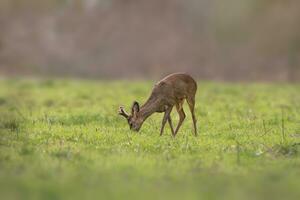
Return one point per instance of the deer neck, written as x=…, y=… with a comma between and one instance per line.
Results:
x=148, y=108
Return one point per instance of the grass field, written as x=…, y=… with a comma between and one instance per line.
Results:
x=63, y=139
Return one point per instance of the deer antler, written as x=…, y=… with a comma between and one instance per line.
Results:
x=123, y=112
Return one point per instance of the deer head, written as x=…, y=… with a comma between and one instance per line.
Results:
x=134, y=120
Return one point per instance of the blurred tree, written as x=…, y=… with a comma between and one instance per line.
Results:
x=213, y=39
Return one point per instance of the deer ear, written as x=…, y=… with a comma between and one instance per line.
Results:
x=135, y=108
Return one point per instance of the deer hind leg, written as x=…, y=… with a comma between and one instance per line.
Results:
x=191, y=103
x=165, y=119
x=181, y=116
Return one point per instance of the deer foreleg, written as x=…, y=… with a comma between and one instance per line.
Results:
x=181, y=117
x=164, y=121
x=171, y=125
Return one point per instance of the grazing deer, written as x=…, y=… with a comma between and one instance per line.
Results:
x=167, y=93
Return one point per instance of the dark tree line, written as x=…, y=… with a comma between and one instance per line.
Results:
x=213, y=39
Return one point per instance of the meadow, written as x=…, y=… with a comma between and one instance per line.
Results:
x=64, y=139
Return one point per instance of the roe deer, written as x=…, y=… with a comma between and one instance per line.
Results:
x=167, y=93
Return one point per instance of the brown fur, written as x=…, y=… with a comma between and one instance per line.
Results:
x=167, y=93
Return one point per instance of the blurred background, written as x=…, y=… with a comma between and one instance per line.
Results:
x=232, y=40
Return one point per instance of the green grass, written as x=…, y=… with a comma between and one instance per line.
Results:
x=63, y=139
